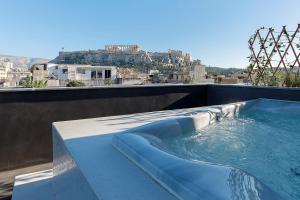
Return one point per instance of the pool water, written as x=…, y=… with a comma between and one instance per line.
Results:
x=264, y=143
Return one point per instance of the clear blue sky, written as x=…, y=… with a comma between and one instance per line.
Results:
x=215, y=31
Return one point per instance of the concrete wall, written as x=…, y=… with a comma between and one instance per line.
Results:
x=26, y=115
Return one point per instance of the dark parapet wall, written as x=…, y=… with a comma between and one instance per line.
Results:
x=222, y=94
x=26, y=115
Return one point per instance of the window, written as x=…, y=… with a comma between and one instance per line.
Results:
x=93, y=74
x=107, y=73
x=99, y=74
x=80, y=71
x=64, y=71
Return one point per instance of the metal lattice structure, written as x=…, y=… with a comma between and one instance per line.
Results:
x=272, y=53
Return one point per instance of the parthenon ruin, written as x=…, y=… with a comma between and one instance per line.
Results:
x=122, y=48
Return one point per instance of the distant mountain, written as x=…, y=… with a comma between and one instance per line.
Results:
x=24, y=62
x=214, y=71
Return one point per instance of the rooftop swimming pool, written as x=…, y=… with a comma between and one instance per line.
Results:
x=264, y=143
x=248, y=150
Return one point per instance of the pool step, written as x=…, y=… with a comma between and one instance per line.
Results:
x=34, y=186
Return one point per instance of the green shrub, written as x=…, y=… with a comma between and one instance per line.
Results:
x=75, y=84
x=292, y=80
x=28, y=82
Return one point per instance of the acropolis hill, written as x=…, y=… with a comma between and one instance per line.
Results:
x=127, y=55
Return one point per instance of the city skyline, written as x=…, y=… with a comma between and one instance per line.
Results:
x=213, y=31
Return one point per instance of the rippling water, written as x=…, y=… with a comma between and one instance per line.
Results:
x=265, y=144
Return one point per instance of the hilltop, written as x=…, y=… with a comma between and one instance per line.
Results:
x=128, y=56
x=213, y=71
x=22, y=61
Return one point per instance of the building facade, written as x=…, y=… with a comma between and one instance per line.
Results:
x=5, y=67
x=82, y=72
x=15, y=76
x=88, y=74
x=197, y=72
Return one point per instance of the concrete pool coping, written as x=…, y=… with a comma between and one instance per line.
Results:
x=110, y=173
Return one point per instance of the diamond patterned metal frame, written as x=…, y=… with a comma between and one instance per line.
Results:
x=281, y=43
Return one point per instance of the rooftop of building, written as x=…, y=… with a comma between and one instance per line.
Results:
x=37, y=109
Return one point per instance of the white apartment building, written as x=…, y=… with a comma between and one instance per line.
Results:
x=5, y=67
x=81, y=72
